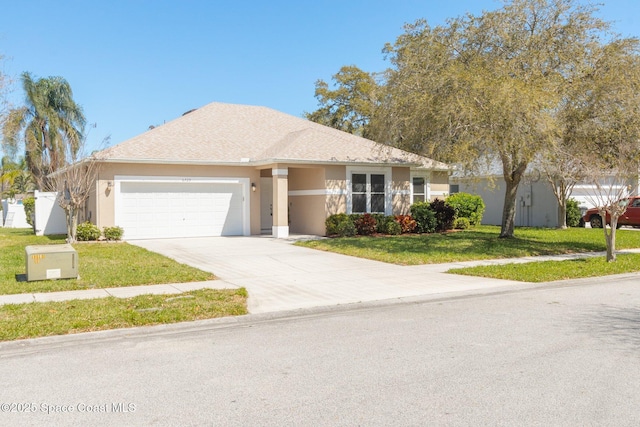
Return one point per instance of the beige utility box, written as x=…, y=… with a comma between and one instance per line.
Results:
x=48, y=262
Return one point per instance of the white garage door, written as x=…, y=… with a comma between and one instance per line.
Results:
x=160, y=209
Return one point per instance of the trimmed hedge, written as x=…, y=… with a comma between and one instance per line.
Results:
x=29, y=204
x=467, y=206
x=87, y=231
x=573, y=213
x=461, y=223
x=424, y=216
x=343, y=225
x=113, y=233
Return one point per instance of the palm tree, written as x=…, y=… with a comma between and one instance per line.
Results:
x=15, y=177
x=50, y=120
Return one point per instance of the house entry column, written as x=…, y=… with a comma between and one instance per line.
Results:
x=280, y=227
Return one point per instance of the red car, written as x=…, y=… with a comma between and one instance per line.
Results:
x=630, y=217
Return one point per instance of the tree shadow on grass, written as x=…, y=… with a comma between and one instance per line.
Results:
x=474, y=244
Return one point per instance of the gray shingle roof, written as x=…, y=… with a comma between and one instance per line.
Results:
x=227, y=133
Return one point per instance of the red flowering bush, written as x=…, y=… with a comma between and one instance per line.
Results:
x=407, y=223
x=366, y=225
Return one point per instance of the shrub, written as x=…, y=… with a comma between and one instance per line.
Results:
x=384, y=224
x=113, y=233
x=365, y=225
x=392, y=227
x=407, y=224
x=332, y=222
x=444, y=214
x=339, y=225
x=573, y=213
x=424, y=217
x=461, y=223
x=87, y=231
x=380, y=222
x=467, y=206
x=29, y=204
x=354, y=217
x=346, y=229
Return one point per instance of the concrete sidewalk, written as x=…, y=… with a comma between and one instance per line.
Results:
x=280, y=276
x=123, y=292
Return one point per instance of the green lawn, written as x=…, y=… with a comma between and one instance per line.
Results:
x=475, y=244
x=102, y=265
x=549, y=271
x=19, y=321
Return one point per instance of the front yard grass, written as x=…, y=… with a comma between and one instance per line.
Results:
x=19, y=321
x=549, y=271
x=104, y=265
x=101, y=265
x=478, y=243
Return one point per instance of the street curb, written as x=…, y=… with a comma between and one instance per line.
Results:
x=45, y=344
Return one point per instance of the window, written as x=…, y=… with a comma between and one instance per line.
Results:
x=377, y=193
x=420, y=187
x=359, y=192
x=418, y=190
x=454, y=188
x=368, y=193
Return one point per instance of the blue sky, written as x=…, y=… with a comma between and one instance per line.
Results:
x=137, y=63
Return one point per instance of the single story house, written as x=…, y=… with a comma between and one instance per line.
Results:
x=536, y=203
x=224, y=170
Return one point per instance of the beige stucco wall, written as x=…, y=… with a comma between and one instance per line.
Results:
x=307, y=200
x=312, y=194
x=401, y=190
x=306, y=179
x=307, y=214
x=336, y=184
x=439, y=184
x=102, y=207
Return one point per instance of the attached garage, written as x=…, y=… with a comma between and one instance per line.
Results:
x=160, y=207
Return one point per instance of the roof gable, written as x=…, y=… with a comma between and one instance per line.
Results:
x=230, y=133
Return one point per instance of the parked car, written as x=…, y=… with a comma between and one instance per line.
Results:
x=631, y=216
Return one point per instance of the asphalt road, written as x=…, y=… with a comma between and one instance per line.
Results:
x=564, y=355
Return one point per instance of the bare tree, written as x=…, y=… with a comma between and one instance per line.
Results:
x=603, y=123
x=75, y=183
x=610, y=194
x=563, y=172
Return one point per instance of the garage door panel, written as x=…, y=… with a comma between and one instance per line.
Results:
x=161, y=209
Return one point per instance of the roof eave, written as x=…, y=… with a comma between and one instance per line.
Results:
x=265, y=162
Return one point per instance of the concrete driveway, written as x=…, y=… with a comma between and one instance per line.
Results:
x=280, y=276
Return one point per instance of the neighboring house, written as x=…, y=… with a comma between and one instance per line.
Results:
x=536, y=204
x=229, y=170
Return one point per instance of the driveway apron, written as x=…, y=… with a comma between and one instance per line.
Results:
x=280, y=276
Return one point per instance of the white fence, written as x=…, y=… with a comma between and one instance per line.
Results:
x=50, y=217
x=13, y=215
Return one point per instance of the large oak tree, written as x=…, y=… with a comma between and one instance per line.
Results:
x=493, y=89
x=489, y=86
